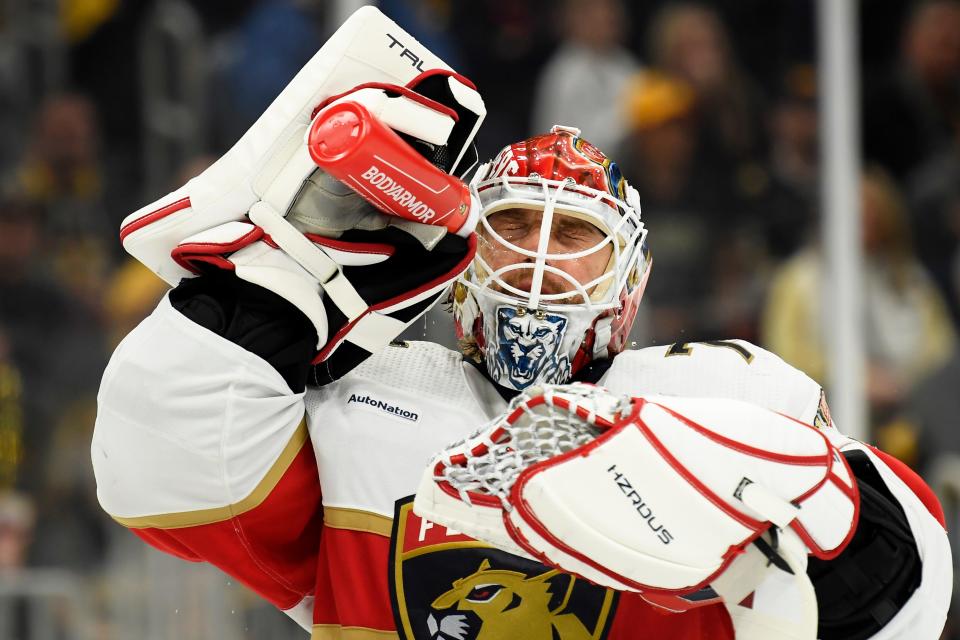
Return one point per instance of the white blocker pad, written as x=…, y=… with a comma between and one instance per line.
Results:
x=656, y=495
x=368, y=53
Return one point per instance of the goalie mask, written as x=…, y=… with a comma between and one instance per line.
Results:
x=561, y=265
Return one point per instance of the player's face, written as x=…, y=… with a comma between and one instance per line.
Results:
x=568, y=235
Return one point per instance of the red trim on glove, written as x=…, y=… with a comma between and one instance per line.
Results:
x=395, y=88
x=352, y=247
x=441, y=72
x=337, y=338
x=186, y=255
x=854, y=494
x=153, y=216
x=692, y=480
x=763, y=454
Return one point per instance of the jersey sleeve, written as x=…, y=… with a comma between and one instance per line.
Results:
x=201, y=448
x=914, y=539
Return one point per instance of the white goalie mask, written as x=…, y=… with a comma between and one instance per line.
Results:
x=561, y=262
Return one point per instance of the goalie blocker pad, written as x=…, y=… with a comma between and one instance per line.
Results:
x=400, y=81
x=663, y=497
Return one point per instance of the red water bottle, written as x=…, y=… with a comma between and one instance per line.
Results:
x=353, y=146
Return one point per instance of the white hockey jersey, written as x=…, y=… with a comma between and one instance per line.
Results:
x=202, y=449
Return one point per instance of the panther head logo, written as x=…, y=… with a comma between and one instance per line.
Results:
x=528, y=348
x=508, y=604
x=447, y=586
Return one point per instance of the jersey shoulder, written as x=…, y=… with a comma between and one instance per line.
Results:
x=734, y=369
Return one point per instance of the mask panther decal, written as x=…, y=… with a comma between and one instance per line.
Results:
x=528, y=348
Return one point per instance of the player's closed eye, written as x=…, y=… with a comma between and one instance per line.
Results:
x=515, y=226
x=511, y=226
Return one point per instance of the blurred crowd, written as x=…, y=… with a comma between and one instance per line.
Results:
x=711, y=109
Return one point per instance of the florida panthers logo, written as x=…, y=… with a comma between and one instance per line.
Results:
x=447, y=586
x=528, y=349
x=504, y=601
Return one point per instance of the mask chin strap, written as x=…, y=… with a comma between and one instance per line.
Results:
x=543, y=244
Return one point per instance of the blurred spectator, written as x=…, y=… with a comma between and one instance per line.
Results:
x=11, y=417
x=908, y=332
x=54, y=341
x=934, y=196
x=503, y=45
x=909, y=112
x=690, y=41
x=60, y=172
x=275, y=39
x=685, y=205
x=794, y=153
x=706, y=223
x=17, y=518
x=23, y=616
x=71, y=532
x=428, y=22
x=782, y=208
x=927, y=427
x=583, y=82
x=60, y=168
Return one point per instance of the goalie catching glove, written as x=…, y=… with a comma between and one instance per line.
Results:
x=658, y=495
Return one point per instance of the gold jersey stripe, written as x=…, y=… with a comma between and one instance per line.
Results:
x=357, y=520
x=220, y=514
x=337, y=632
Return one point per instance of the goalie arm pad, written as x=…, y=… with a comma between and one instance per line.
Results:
x=894, y=579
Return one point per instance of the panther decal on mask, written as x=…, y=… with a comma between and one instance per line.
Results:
x=528, y=348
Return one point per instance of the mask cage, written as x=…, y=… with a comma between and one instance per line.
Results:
x=619, y=220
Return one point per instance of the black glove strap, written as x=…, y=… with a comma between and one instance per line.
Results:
x=410, y=266
x=863, y=588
